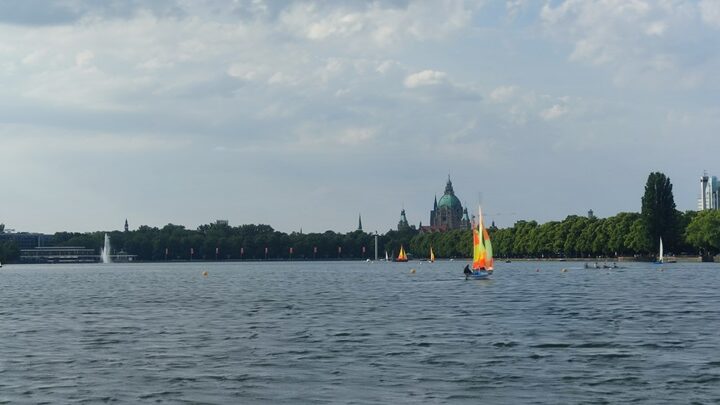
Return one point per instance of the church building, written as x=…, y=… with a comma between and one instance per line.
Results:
x=447, y=213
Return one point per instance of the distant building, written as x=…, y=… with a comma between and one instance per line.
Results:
x=359, y=223
x=709, y=193
x=127, y=228
x=69, y=254
x=447, y=213
x=403, y=225
x=59, y=254
x=591, y=214
x=222, y=222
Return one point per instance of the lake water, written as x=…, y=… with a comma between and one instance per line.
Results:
x=361, y=333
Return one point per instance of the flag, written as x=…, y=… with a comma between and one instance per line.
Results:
x=363, y=249
x=315, y=249
x=192, y=250
x=217, y=250
x=290, y=250
x=242, y=251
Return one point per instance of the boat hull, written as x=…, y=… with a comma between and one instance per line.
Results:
x=479, y=275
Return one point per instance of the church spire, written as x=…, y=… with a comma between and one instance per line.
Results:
x=435, y=203
x=126, y=225
x=359, y=222
x=449, y=187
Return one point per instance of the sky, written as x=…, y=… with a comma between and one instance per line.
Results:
x=306, y=114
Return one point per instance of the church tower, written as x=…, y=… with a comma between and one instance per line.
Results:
x=403, y=225
x=448, y=212
x=126, y=225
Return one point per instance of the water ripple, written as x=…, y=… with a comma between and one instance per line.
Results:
x=358, y=333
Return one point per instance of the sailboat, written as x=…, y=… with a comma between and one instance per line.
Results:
x=661, y=255
x=432, y=255
x=482, y=265
x=387, y=259
x=402, y=257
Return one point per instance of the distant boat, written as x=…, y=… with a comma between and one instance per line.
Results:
x=387, y=259
x=661, y=255
x=402, y=257
x=432, y=255
x=482, y=264
x=660, y=259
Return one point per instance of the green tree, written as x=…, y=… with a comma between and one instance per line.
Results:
x=660, y=218
x=703, y=232
x=9, y=252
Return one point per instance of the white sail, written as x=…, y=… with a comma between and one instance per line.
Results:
x=660, y=256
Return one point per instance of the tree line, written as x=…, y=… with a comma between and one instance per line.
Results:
x=625, y=234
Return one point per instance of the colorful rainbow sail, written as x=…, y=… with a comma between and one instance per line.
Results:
x=482, y=247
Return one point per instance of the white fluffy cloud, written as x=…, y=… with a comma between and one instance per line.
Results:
x=640, y=42
x=425, y=78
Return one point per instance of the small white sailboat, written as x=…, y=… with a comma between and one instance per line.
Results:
x=661, y=259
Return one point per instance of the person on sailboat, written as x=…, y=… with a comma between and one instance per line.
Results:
x=467, y=271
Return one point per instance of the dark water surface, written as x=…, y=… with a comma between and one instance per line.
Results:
x=359, y=333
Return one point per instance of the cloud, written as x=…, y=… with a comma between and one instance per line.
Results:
x=383, y=23
x=425, y=78
x=710, y=12
x=640, y=43
x=656, y=28
x=503, y=93
x=554, y=112
x=84, y=59
x=218, y=92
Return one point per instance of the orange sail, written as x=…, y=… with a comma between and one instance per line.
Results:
x=432, y=255
x=478, y=251
x=488, y=250
x=402, y=257
x=482, y=248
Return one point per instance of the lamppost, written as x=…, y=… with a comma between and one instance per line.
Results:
x=376, y=251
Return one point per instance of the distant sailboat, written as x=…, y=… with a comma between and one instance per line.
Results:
x=402, y=257
x=432, y=255
x=661, y=255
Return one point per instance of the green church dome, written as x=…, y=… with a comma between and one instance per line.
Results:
x=449, y=200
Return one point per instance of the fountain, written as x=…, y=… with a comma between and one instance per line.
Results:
x=105, y=251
